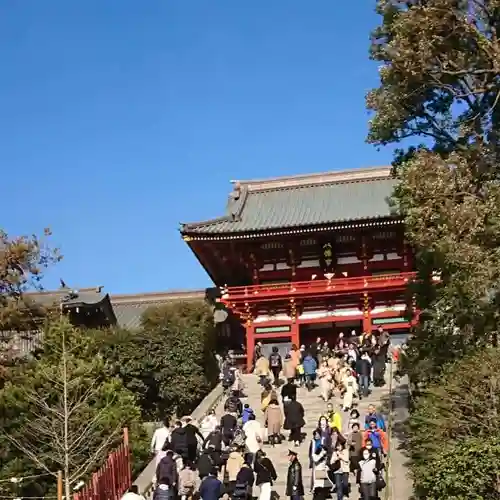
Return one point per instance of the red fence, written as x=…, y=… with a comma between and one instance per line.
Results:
x=113, y=479
x=315, y=288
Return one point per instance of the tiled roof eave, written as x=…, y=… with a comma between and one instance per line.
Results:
x=185, y=227
x=271, y=232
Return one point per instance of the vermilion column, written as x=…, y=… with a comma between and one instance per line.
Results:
x=250, y=330
x=367, y=322
x=294, y=331
x=367, y=316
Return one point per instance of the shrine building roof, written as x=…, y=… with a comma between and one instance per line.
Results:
x=129, y=308
x=302, y=200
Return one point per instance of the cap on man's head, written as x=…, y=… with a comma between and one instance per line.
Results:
x=292, y=453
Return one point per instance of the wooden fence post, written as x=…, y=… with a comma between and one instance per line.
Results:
x=128, y=458
x=60, y=486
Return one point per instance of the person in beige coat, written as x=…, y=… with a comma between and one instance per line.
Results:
x=289, y=368
x=233, y=466
x=325, y=380
x=262, y=370
x=274, y=421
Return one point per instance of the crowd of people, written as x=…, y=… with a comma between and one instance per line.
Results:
x=226, y=457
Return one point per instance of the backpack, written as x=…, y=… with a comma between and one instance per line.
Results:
x=275, y=360
x=239, y=438
x=246, y=415
x=228, y=378
x=190, y=481
x=240, y=491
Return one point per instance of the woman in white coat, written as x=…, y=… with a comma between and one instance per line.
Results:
x=325, y=380
x=339, y=465
x=350, y=389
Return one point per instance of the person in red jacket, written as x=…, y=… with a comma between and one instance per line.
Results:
x=377, y=436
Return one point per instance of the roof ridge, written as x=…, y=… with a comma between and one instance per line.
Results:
x=308, y=185
x=139, y=298
x=332, y=177
x=62, y=291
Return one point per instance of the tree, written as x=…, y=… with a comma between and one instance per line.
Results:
x=22, y=262
x=439, y=86
x=438, y=96
x=453, y=431
x=440, y=61
x=62, y=411
x=169, y=364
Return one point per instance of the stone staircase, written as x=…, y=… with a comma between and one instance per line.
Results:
x=314, y=407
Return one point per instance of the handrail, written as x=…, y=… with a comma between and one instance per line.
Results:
x=335, y=285
x=388, y=485
x=145, y=479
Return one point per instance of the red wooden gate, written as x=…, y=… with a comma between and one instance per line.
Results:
x=113, y=479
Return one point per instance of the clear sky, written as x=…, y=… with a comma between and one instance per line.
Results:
x=121, y=118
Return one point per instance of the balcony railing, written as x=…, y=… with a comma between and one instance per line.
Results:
x=316, y=288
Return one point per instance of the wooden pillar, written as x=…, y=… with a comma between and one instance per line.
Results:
x=367, y=317
x=364, y=254
x=406, y=256
x=59, y=485
x=250, y=345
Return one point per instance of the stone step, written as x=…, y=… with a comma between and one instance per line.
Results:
x=314, y=407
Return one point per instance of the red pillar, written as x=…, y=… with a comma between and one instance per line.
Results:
x=416, y=316
x=250, y=345
x=367, y=314
x=294, y=331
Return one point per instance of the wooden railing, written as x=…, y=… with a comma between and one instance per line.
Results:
x=316, y=287
x=113, y=479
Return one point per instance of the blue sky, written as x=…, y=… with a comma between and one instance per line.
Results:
x=119, y=119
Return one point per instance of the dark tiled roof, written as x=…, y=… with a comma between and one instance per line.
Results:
x=306, y=200
x=68, y=296
x=127, y=308
x=130, y=308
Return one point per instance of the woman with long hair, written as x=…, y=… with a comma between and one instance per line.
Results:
x=318, y=462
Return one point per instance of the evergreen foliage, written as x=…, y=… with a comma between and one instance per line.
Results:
x=453, y=434
x=438, y=96
x=169, y=363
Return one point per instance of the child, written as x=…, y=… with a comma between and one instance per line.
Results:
x=301, y=374
x=247, y=411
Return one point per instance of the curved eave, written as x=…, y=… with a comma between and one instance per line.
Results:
x=104, y=304
x=357, y=224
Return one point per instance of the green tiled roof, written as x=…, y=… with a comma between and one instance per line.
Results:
x=129, y=309
x=303, y=201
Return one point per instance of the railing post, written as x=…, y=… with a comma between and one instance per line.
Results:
x=127, y=457
x=60, y=485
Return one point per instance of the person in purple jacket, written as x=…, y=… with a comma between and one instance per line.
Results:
x=211, y=487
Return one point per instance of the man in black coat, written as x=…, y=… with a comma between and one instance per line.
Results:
x=363, y=369
x=193, y=434
x=276, y=365
x=179, y=441
x=264, y=469
x=233, y=404
x=206, y=463
x=167, y=469
x=228, y=424
x=289, y=392
x=294, y=484
x=294, y=420
x=214, y=441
